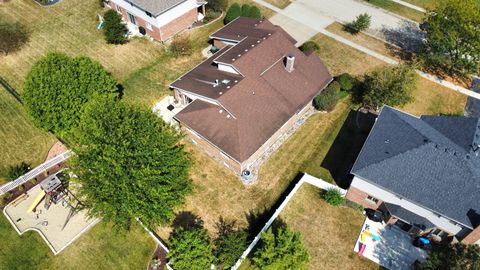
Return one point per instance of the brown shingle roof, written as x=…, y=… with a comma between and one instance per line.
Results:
x=261, y=101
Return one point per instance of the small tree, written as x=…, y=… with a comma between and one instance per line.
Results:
x=55, y=100
x=309, y=46
x=190, y=249
x=346, y=82
x=181, y=45
x=233, y=12
x=328, y=98
x=129, y=164
x=246, y=10
x=13, y=36
x=255, y=12
x=218, y=5
x=456, y=256
x=113, y=27
x=333, y=197
x=18, y=170
x=230, y=243
x=452, y=37
x=281, y=249
x=361, y=23
x=392, y=85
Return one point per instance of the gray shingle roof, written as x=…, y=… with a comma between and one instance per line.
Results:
x=156, y=7
x=428, y=160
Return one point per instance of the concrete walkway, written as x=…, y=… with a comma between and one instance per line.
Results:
x=312, y=15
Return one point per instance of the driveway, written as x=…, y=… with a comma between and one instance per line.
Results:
x=318, y=14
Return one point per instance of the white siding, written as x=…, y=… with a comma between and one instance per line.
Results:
x=227, y=68
x=386, y=196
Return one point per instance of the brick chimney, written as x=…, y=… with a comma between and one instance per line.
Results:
x=289, y=62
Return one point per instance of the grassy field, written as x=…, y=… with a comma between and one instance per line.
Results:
x=399, y=9
x=100, y=248
x=19, y=140
x=427, y=4
x=279, y=3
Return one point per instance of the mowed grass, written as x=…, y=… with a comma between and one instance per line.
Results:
x=69, y=27
x=399, y=9
x=100, y=248
x=329, y=233
x=19, y=139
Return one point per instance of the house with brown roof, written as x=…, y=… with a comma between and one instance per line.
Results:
x=159, y=19
x=243, y=100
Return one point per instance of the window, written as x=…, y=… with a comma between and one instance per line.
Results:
x=372, y=199
x=119, y=8
x=149, y=25
x=439, y=233
x=132, y=18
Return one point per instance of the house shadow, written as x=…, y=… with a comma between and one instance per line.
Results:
x=347, y=145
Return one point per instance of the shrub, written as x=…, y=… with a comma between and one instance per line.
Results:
x=190, y=249
x=113, y=28
x=255, y=12
x=328, y=98
x=333, y=197
x=181, y=45
x=309, y=46
x=346, y=82
x=18, y=170
x=230, y=243
x=246, y=10
x=233, y=12
x=13, y=36
x=361, y=23
x=218, y=5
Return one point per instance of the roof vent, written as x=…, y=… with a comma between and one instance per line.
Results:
x=239, y=55
x=258, y=41
x=387, y=141
x=246, y=50
x=235, y=81
x=289, y=63
x=253, y=45
x=220, y=93
x=228, y=115
x=269, y=34
x=228, y=87
x=216, y=83
x=221, y=111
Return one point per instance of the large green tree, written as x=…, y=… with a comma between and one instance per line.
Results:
x=190, y=249
x=57, y=88
x=391, y=85
x=129, y=163
x=452, y=41
x=452, y=257
x=281, y=249
x=230, y=243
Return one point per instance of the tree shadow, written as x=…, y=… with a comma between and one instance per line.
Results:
x=187, y=220
x=347, y=145
x=408, y=36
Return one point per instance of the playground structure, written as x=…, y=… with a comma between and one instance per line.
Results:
x=52, y=210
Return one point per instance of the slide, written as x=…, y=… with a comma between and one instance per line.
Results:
x=362, y=249
x=36, y=201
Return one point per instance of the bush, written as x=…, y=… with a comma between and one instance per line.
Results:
x=16, y=171
x=190, y=249
x=333, y=197
x=328, y=98
x=13, y=36
x=218, y=5
x=361, y=23
x=230, y=243
x=181, y=45
x=233, y=12
x=346, y=82
x=113, y=28
x=309, y=46
x=255, y=12
x=246, y=10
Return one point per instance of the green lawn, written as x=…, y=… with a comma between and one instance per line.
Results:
x=19, y=139
x=399, y=9
x=100, y=248
x=427, y=4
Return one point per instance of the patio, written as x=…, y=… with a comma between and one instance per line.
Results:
x=167, y=108
x=50, y=224
x=388, y=246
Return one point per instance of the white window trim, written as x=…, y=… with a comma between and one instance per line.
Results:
x=372, y=200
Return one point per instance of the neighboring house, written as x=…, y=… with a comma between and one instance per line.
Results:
x=249, y=94
x=423, y=174
x=159, y=19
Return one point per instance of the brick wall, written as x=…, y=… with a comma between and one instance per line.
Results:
x=183, y=22
x=472, y=237
x=213, y=151
x=360, y=197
